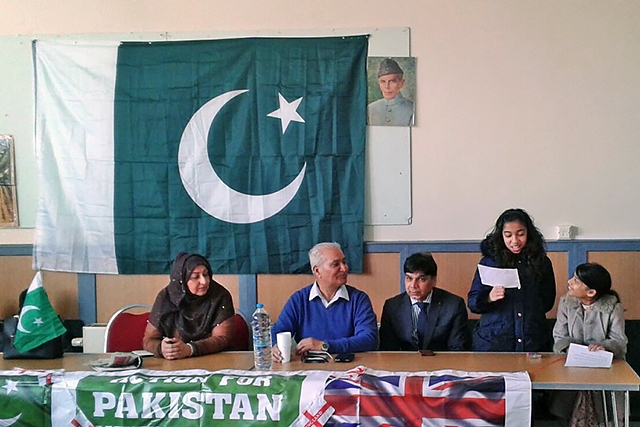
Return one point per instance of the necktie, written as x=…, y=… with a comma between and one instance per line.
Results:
x=421, y=325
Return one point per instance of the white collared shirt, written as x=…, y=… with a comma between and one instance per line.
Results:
x=340, y=293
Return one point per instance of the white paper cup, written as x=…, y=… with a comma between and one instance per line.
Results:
x=284, y=344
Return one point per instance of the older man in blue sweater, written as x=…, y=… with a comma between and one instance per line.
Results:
x=328, y=315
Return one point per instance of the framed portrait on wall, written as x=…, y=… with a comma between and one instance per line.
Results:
x=391, y=86
x=8, y=196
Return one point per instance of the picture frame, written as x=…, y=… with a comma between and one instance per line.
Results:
x=8, y=194
x=396, y=106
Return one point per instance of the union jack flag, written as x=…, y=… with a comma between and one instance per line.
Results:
x=443, y=399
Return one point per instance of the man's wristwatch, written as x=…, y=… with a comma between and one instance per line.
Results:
x=325, y=346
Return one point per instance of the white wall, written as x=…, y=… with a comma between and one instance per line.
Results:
x=534, y=104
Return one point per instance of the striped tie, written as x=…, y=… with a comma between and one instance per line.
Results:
x=421, y=326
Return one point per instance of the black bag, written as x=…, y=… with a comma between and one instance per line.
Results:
x=50, y=350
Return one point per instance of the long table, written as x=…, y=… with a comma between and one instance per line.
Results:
x=547, y=372
x=73, y=362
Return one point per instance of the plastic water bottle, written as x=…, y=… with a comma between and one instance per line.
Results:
x=261, y=325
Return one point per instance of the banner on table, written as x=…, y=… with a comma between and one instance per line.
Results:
x=366, y=397
x=248, y=151
x=360, y=397
x=25, y=397
x=183, y=398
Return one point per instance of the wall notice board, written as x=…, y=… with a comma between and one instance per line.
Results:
x=388, y=171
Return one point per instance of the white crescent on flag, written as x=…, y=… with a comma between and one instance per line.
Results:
x=24, y=311
x=207, y=189
x=9, y=421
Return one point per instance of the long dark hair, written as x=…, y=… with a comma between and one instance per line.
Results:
x=493, y=245
x=596, y=277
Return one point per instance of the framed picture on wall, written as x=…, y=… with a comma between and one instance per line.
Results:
x=8, y=196
x=391, y=87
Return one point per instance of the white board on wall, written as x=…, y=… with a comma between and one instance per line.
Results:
x=388, y=171
x=388, y=174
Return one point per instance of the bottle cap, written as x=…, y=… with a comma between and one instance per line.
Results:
x=259, y=305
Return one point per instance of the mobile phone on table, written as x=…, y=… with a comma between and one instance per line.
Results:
x=313, y=359
x=345, y=357
x=426, y=352
x=316, y=356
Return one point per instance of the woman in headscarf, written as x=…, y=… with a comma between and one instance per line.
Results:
x=192, y=315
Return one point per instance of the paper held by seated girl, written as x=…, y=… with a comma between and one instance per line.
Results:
x=580, y=356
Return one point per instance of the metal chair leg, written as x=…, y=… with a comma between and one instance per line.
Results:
x=604, y=408
x=614, y=409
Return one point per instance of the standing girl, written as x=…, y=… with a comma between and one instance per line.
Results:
x=514, y=319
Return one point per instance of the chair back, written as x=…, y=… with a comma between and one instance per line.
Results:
x=242, y=337
x=125, y=329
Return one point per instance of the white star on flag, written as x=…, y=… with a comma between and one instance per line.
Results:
x=287, y=112
x=11, y=386
x=38, y=321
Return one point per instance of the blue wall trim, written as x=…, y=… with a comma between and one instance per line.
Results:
x=577, y=252
x=87, y=299
x=247, y=294
x=16, y=250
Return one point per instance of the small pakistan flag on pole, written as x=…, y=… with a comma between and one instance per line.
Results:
x=38, y=322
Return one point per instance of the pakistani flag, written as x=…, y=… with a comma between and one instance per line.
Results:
x=25, y=399
x=38, y=322
x=248, y=151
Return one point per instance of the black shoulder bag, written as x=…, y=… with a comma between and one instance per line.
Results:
x=50, y=350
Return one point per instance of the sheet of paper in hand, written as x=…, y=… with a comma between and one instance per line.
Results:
x=580, y=356
x=492, y=276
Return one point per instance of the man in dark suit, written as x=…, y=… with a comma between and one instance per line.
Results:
x=423, y=317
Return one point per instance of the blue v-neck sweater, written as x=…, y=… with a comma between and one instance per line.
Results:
x=346, y=326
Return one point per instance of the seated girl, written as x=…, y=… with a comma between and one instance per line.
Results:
x=589, y=314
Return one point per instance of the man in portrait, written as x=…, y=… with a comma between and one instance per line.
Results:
x=393, y=109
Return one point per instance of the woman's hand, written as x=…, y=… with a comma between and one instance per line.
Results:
x=596, y=347
x=497, y=293
x=174, y=348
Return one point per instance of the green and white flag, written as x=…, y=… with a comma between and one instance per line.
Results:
x=25, y=398
x=248, y=151
x=38, y=322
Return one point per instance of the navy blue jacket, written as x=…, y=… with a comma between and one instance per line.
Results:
x=446, y=323
x=517, y=322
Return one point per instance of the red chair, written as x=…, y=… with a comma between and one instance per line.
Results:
x=126, y=327
x=242, y=339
